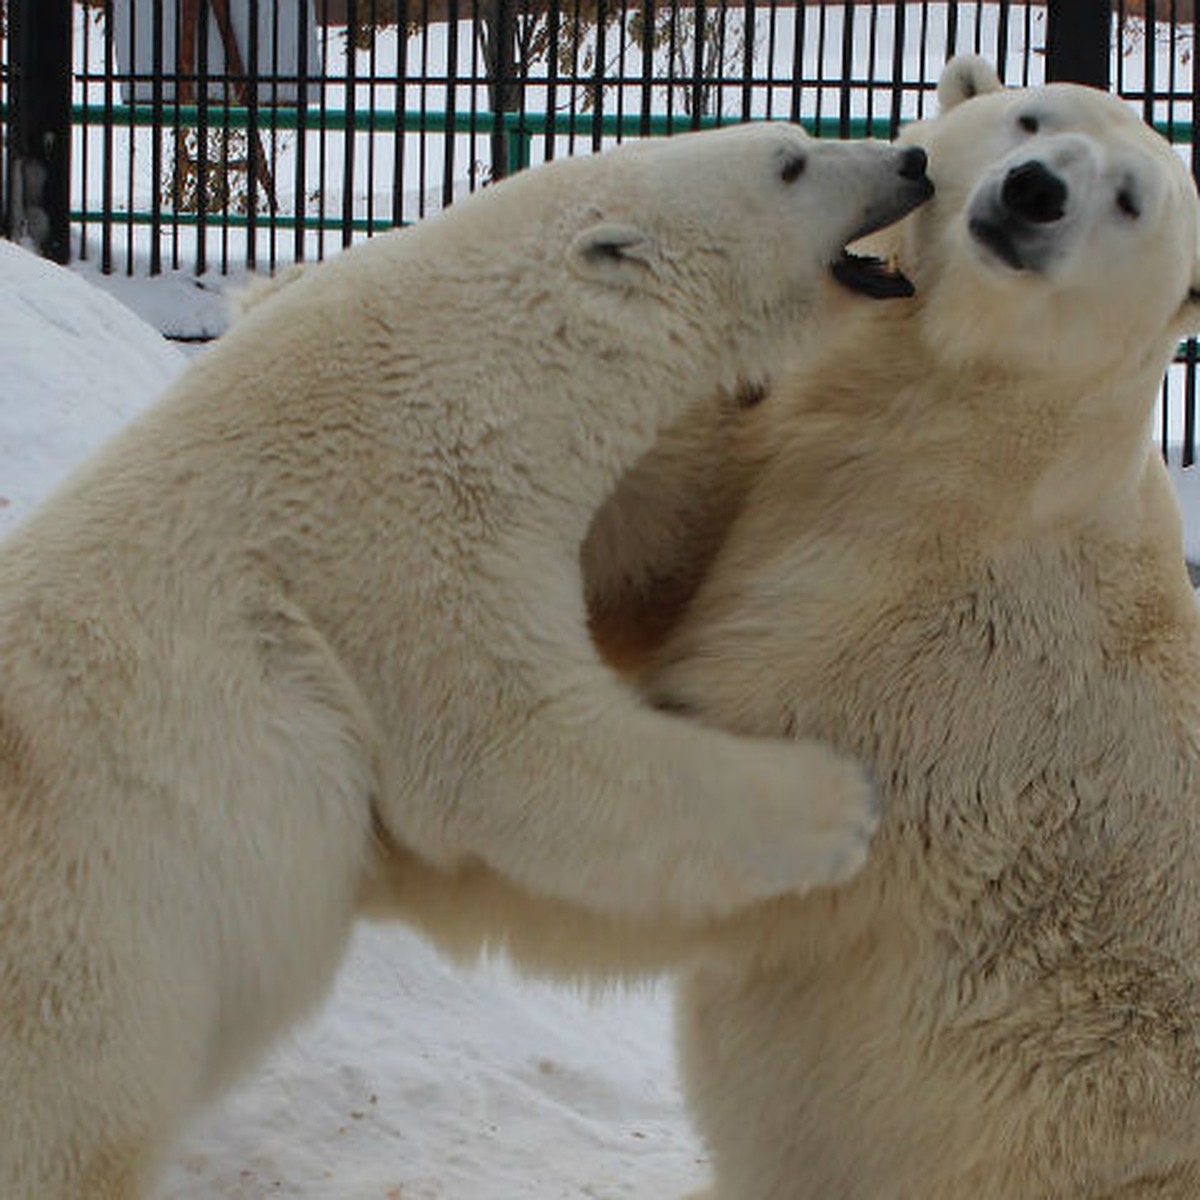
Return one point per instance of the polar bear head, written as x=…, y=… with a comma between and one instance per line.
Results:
x=773, y=206
x=723, y=240
x=1063, y=230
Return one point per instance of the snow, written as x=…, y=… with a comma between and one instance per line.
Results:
x=74, y=366
x=422, y=1080
x=178, y=303
x=419, y=1079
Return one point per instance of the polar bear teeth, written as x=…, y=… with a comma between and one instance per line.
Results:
x=871, y=276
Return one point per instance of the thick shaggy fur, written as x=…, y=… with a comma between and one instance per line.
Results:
x=328, y=595
x=960, y=560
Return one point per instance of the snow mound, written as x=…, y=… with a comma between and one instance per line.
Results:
x=75, y=365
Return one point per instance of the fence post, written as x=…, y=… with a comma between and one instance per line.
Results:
x=40, y=129
x=1079, y=41
x=499, y=17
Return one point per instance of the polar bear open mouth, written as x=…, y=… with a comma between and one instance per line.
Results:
x=871, y=276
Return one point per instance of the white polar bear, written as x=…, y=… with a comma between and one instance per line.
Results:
x=328, y=592
x=958, y=558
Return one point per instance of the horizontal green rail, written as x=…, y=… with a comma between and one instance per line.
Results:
x=535, y=124
x=413, y=120
x=219, y=116
x=218, y=219
x=520, y=127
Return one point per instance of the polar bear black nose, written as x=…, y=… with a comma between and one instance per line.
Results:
x=913, y=163
x=1034, y=194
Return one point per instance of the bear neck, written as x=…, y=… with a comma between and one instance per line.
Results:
x=1011, y=449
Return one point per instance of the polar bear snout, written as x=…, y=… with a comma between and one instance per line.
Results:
x=1030, y=210
x=913, y=164
x=1015, y=216
x=909, y=189
x=1031, y=192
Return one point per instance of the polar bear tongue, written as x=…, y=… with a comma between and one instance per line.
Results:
x=870, y=276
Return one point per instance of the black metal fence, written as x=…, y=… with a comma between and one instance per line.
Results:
x=214, y=135
x=218, y=132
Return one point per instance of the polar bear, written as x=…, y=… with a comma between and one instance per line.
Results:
x=326, y=597
x=958, y=558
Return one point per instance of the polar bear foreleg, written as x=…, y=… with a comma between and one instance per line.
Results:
x=606, y=803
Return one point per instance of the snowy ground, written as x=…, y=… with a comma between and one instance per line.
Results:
x=419, y=1080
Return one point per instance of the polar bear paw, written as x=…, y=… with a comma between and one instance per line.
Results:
x=794, y=816
x=814, y=822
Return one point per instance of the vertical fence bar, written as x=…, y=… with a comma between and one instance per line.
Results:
x=6, y=195
x=771, y=81
x=131, y=87
x=273, y=219
x=520, y=139
x=400, y=101
x=597, y=76
x=156, y=138
x=1189, y=389
x=619, y=79
x=1002, y=23
x=322, y=129
x=822, y=20
x=451, y=102
x=177, y=134
x=872, y=50
x=500, y=62
x=40, y=94
x=372, y=80
x=896, y=109
x=351, y=108
x=85, y=139
x=749, y=52
x=845, y=110
x=1079, y=41
x=1189, y=404
x=1149, y=65
x=423, y=106
x=554, y=25
x=202, y=127
x=106, y=143
x=300, y=173
x=696, y=85
x=255, y=167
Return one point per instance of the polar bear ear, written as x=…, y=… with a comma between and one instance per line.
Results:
x=611, y=252
x=964, y=77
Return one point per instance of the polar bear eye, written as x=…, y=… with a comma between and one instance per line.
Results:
x=1127, y=203
x=1029, y=123
x=793, y=168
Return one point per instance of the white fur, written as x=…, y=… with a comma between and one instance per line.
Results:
x=326, y=598
x=967, y=542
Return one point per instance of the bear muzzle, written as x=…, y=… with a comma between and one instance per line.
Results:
x=1017, y=218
